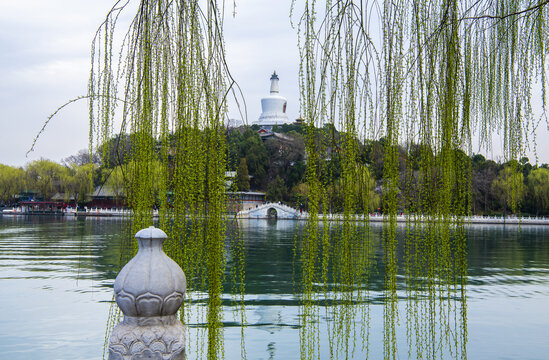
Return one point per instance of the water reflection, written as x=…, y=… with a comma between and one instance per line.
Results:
x=56, y=277
x=57, y=273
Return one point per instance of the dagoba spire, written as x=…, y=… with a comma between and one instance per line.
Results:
x=274, y=83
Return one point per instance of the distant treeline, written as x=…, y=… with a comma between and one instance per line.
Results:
x=277, y=165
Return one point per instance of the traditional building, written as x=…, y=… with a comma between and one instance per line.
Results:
x=299, y=121
x=244, y=200
x=273, y=108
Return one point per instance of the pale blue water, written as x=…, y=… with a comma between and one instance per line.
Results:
x=56, y=278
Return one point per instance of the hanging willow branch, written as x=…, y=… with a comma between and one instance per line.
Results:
x=173, y=77
x=427, y=79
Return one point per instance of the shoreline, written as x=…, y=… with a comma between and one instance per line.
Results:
x=293, y=214
x=476, y=219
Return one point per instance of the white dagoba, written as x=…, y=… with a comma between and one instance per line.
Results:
x=273, y=107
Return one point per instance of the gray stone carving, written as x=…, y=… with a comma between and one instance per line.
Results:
x=149, y=290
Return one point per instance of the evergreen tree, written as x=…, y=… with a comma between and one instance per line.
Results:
x=242, y=177
x=276, y=190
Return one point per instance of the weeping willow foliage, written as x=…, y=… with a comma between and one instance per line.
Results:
x=429, y=77
x=432, y=78
x=329, y=101
x=170, y=79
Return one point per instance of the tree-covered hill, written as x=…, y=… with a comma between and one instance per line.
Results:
x=276, y=164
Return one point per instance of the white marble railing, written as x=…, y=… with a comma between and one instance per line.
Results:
x=288, y=212
x=475, y=219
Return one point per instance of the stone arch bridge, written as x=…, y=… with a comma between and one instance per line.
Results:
x=270, y=211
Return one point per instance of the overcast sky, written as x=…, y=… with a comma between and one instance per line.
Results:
x=45, y=61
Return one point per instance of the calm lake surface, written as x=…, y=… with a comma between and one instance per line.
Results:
x=56, y=277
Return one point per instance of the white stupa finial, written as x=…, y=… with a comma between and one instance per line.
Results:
x=274, y=83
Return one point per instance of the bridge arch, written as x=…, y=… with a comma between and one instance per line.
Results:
x=272, y=213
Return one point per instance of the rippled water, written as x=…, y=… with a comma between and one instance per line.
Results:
x=56, y=278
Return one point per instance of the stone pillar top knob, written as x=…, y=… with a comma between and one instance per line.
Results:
x=151, y=233
x=149, y=290
x=151, y=284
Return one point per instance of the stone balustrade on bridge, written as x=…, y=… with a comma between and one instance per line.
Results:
x=271, y=211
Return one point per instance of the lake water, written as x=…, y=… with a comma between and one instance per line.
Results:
x=56, y=277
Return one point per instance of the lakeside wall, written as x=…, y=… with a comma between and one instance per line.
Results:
x=285, y=212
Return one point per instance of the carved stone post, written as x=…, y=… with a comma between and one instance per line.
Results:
x=149, y=290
